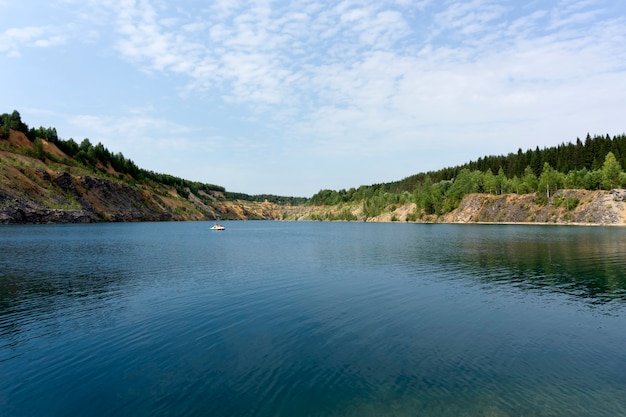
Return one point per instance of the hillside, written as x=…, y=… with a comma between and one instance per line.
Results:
x=56, y=181
x=591, y=208
x=55, y=188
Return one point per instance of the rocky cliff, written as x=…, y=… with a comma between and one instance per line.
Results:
x=55, y=189
x=591, y=208
x=581, y=207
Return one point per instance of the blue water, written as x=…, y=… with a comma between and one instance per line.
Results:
x=312, y=319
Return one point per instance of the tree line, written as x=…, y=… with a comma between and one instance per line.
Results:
x=593, y=164
x=267, y=197
x=92, y=155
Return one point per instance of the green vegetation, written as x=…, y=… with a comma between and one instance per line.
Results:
x=11, y=121
x=597, y=163
x=571, y=203
x=266, y=197
x=97, y=158
x=593, y=164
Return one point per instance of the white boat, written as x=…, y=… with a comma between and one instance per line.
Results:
x=218, y=227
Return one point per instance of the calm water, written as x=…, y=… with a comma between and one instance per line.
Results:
x=312, y=319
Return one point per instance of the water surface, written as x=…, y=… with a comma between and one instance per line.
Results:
x=312, y=319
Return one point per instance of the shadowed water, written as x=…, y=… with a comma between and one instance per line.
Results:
x=312, y=319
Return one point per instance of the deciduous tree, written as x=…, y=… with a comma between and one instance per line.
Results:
x=548, y=180
x=611, y=170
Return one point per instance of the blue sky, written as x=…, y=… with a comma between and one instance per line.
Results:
x=289, y=98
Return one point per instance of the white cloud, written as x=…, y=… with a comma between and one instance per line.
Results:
x=352, y=78
x=484, y=61
x=468, y=18
x=12, y=40
x=135, y=131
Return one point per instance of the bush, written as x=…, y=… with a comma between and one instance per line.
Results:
x=557, y=200
x=541, y=199
x=571, y=203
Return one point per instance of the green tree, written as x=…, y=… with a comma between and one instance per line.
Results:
x=515, y=184
x=466, y=182
x=38, y=149
x=438, y=193
x=85, y=145
x=13, y=121
x=425, y=199
x=580, y=178
x=529, y=181
x=70, y=147
x=490, y=184
x=49, y=134
x=502, y=182
x=548, y=180
x=595, y=179
x=611, y=170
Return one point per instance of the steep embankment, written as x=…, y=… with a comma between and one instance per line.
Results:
x=593, y=207
x=56, y=189
x=589, y=208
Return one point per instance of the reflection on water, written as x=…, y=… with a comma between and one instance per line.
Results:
x=312, y=319
x=581, y=262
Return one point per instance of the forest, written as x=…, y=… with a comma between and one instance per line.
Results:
x=593, y=164
x=94, y=156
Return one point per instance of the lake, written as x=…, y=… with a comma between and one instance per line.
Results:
x=312, y=319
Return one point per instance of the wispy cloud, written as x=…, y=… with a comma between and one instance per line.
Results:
x=357, y=71
x=138, y=129
x=467, y=19
x=349, y=78
x=12, y=40
x=258, y=47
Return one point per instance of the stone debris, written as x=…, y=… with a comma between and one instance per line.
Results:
x=618, y=195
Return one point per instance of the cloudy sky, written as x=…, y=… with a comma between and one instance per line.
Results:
x=291, y=97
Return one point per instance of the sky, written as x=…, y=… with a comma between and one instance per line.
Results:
x=288, y=98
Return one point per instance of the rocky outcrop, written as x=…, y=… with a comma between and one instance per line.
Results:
x=59, y=197
x=36, y=191
x=19, y=211
x=56, y=189
x=564, y=207
x=31, y=193
x=87, y=199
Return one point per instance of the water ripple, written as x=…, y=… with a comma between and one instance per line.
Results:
x=277, y=319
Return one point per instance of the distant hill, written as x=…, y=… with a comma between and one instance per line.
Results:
x=47, y=180
x=44, y=179
x=593, y=165
x=564, y=207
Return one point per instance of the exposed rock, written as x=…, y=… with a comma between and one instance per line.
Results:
x=34, y=191
x=38, y=195
x=592, y=207
x=564, y=207
x=20, y=211
x=618, y=195
x=92, y=199
x=64, y=181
